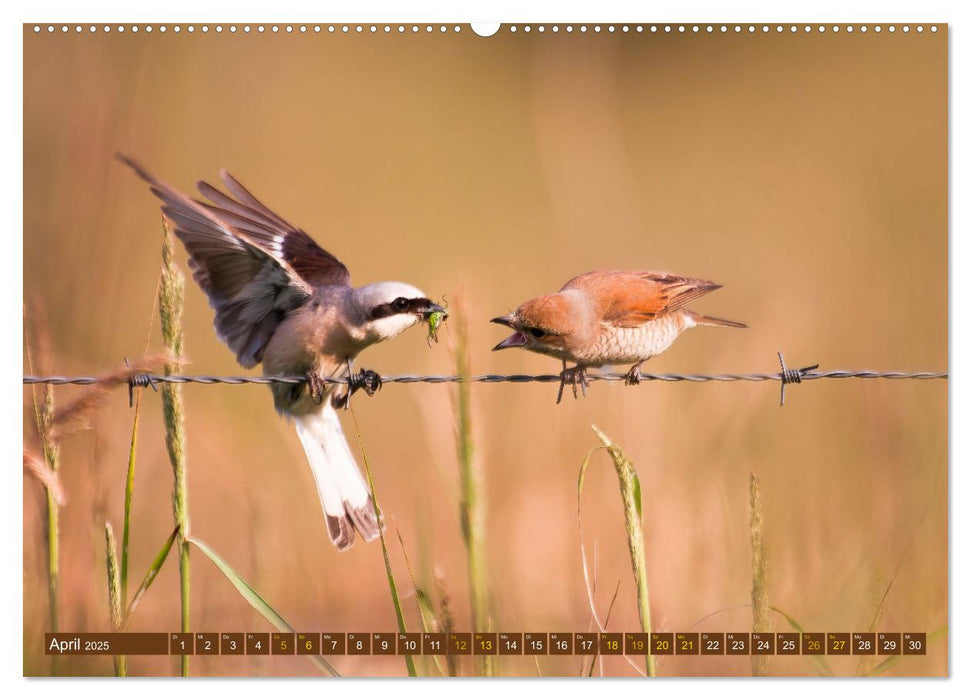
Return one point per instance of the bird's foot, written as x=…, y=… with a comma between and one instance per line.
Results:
x=633, y=377
x=366, y=379
x=315, y=386
x=577, y=378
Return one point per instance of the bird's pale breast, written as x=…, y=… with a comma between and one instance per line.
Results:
x=616, y=345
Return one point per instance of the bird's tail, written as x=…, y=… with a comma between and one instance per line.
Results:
x=702, y=320
x=344, y=496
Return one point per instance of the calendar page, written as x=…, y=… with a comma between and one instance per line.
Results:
x=546, y=349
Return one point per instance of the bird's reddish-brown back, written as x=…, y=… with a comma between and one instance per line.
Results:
x=631, y=298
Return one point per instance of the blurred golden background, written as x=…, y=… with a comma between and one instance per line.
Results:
x=805, y=172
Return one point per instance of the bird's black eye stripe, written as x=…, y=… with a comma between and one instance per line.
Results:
x=400, y=305
x=537, y=332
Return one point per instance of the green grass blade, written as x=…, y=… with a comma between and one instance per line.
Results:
x=892, y=661
x=129, y=493
x=583, y=474
x=256, y=601
x=395, y=598
x=820, y=662
x=426, y=612
x=149, y=578
x=889, y=587
x=590, y=587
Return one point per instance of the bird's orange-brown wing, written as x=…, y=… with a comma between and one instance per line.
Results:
x=627, y=298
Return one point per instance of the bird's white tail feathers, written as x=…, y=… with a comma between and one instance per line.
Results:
x=343, y=493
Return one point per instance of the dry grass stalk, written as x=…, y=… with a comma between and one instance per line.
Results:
x=114, y=593
x=630, y=491
x=44, y=416
x=471, y=508
x=170, y=298
x=760, y=599
x=590, y=582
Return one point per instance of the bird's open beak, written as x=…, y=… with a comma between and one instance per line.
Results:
x=433, y=309
x=516, y=340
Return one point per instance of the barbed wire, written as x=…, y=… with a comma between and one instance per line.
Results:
x=785, y=376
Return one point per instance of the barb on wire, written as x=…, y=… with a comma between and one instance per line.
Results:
x=790, y=376
x=785, y=376
x=139, y=380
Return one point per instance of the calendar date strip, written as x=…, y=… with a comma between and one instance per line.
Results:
x=487, y=644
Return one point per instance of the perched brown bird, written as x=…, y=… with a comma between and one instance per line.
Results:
x=608, y=317
x=282, y=300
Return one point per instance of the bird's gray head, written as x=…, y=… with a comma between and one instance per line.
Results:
x=389, y=308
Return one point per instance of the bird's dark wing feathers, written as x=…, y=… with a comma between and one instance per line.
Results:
x=314, y=264
x=253, y=266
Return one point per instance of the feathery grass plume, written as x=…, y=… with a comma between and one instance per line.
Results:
x=44, y=417
x=35, y=467
x=66, y=420
x=170, y=297
x=392, y=585
x=472, y=510
x=760, y=599
x=114, y=593
x=630, y=492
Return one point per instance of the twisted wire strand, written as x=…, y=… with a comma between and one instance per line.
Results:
x=787, y=376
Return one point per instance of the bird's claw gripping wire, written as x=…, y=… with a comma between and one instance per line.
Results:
x=315, y=386
x=633, y=376
x=576, y=377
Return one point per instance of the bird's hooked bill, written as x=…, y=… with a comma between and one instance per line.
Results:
x=516, y=340
x=433, y=309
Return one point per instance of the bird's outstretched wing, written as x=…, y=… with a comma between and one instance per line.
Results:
x=251, y=217
x=254, y=267
x=629, y=299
